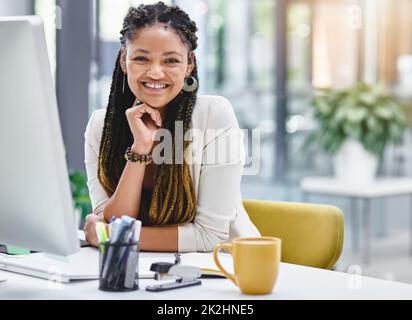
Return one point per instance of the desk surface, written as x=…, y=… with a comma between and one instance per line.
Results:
x=294, y=282
x=378, y=188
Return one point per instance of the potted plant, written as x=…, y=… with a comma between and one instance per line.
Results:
x=355, y=125
x=80, y=193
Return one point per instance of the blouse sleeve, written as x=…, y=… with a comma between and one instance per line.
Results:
x=219, y=182
x=92, y=137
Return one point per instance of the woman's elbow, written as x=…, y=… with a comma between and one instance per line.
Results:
x=209, y=239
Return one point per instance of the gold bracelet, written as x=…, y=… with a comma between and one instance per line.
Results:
x=140, y=158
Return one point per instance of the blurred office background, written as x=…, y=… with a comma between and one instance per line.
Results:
x=266, y=57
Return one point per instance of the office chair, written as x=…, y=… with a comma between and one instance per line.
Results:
x=312, y=234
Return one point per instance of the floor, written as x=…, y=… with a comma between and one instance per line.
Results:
x=390, y=258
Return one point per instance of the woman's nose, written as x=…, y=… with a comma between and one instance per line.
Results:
x=155, y=71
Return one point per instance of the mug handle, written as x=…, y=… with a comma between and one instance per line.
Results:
x=220, y=246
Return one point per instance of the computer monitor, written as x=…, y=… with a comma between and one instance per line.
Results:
x=36, y=209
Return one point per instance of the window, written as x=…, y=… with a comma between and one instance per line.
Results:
x=51, y=16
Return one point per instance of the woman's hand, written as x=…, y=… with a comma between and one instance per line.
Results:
x=143, y=122
x=90, y=228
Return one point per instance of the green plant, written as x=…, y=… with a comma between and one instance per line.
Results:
x=80, y=192
x=362, y=112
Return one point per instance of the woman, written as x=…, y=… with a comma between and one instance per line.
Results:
x=184, y=206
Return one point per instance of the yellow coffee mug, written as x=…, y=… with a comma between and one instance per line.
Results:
x=256, y=263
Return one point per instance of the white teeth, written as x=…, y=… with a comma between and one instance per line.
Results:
x=154, y=85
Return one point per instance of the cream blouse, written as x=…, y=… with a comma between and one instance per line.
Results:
x=216, y=175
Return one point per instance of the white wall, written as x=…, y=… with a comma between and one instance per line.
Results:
x=16, y=7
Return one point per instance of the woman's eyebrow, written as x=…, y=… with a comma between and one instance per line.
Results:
x=168, y=53
x=141, y=50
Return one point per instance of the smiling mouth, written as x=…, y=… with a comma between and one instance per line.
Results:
x=155, y=86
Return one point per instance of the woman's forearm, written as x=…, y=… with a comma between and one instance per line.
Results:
x=162, y=239
x=126, y=198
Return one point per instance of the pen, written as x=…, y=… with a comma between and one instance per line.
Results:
x=114, y=228
x=132, y=236
x=127, y=260
x=102, y=238
x=132, y=262
x=128, y=224
x=123, y=255
x=137, y=227
x=101, y=235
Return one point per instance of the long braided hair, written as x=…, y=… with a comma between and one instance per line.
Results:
x=173, y=198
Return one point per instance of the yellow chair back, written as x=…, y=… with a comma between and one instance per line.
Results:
x=312, y=234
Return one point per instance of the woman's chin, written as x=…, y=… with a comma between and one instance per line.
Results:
x=155, y=102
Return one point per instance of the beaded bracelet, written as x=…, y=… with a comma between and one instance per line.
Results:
x=133, y=157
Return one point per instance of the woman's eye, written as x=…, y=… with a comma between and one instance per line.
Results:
x=140, y=58
x=171, y=60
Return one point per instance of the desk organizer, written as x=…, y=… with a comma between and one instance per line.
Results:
x=119, y=267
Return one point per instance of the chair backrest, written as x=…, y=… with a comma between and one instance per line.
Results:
x=312, y=234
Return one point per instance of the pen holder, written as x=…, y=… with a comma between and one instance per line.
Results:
x=119, y=267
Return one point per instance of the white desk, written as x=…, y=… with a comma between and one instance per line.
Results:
x=294, y=282
x=379, y=188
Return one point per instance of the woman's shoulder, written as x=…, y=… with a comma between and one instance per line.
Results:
x=99, y=115
x=216, y=110
x=97, y=118
x=208, y=102
x=94, y=127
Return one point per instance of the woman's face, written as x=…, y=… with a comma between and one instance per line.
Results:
x=156, y=63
